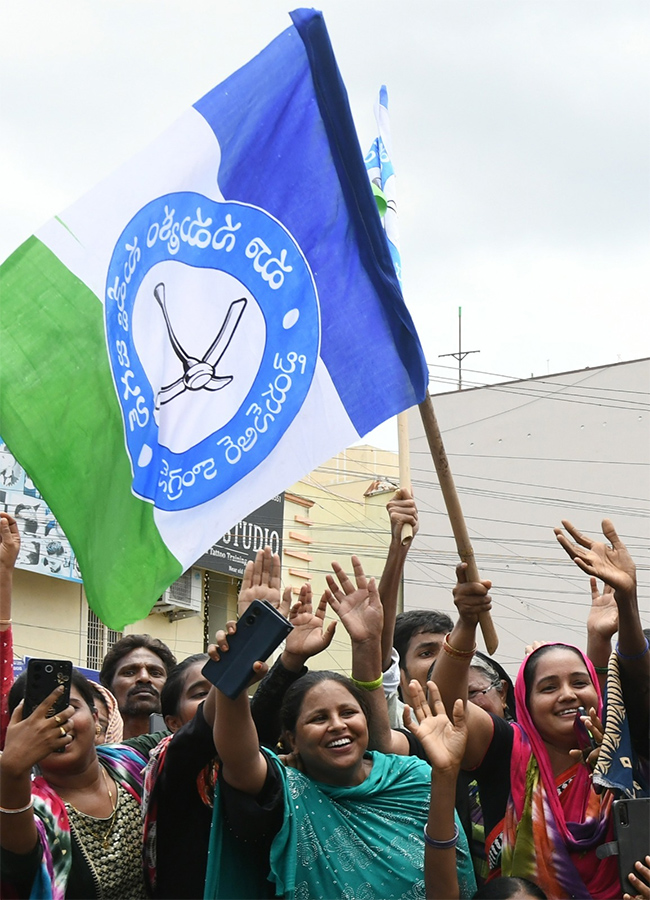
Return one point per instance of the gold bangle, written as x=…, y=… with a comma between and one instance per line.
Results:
x=454, y=652
x=5, y=621
x=368, y=685
x=14, y=812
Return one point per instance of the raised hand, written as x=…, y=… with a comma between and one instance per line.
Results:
x=359, y=608
x=30, y=740
x=612, y=564
x=308, y=637
x=9, y=541
x=261, y=581
x=471, y=598
x=402, y=511
x=603, y=615
x=444, y=741
x=221, y=646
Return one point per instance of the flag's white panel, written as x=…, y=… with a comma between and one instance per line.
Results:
x=85, y=234
x=321, y=431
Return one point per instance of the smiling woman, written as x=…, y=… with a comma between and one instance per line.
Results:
x=337, y=821
x=75, y=830
x=543, y=819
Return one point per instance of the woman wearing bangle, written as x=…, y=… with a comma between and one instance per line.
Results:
x=345, y=821
x=444, y=742
x=76, y=829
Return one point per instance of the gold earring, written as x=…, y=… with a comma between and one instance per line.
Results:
x=98, y=728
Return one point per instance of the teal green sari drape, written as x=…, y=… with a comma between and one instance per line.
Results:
x=357, y=843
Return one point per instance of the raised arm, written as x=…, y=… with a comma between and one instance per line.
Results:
x=444, y=741
x=401, y=510
x=243, y=765
x=235, y=735
x=451, y=668
x=28, y=742
x=9, y=549
x=602, y=625
x=613, y=564
x=359, y=608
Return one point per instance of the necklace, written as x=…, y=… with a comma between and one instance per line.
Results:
x=111, y=819
x=114, y=806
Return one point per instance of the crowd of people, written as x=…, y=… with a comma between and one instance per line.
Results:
x=424, y=774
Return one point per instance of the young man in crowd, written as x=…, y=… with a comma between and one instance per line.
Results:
x=411, y=640
x=135, y=670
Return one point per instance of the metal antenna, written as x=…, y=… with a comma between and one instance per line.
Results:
x=460, y=354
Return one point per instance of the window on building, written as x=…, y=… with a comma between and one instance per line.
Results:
x=99, y=641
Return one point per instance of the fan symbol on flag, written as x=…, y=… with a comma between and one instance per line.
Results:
x=199, y=373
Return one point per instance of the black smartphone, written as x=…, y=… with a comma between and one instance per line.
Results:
x=259, y=632
x=584, y=738
x=632, y=833
x=43, y=676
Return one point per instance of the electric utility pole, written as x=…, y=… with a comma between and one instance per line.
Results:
x=460, y=354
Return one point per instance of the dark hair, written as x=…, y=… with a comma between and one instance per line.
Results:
x=126, y=645
x=507, y=886
x=416, y=621
x=533, y=661
x=294, y=697
x=170, y=696
x=77, y=680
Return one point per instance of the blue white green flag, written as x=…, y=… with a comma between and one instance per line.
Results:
x=379, y=164
x=210, y=323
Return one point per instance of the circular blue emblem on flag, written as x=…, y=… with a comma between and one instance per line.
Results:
x=213, y=330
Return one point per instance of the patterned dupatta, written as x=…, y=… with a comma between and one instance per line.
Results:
x=550, y=837
x=50, y=815
x=364, y=841
x=619, y=767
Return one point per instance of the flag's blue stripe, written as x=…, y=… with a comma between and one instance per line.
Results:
x=294, y=152
x=337, y=116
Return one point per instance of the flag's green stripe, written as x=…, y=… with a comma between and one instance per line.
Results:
x=61, y=419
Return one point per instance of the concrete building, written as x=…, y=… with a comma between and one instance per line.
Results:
x=525, y=455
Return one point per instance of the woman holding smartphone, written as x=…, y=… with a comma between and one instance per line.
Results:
x=75, y=830
x=341, y=820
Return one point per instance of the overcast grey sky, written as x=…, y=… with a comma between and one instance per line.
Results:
x=520, y=131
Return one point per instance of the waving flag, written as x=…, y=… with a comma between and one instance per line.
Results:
x=380, y=170
x=210, y=323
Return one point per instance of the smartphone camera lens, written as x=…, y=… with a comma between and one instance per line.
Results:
x=250, y=620
x=49, y=669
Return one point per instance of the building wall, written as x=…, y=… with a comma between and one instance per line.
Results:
x=348, y=497
x=525, y=455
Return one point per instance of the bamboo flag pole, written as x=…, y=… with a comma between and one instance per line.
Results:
x=404, y=467
x=455, y=512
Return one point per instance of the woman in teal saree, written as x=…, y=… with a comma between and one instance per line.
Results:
x=348, y=823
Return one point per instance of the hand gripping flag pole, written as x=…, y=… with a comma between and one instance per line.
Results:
x=382, y=176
